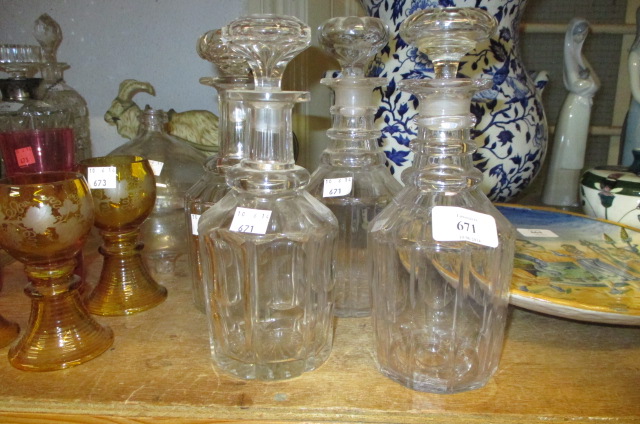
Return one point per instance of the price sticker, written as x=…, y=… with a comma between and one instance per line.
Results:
x=100, y=177
x=24, y=157
x=536, y=232
x=254, y=221
x=10, y=106
x=451, y=223
x=337, y=187
x=156, y=166
x=195, y=218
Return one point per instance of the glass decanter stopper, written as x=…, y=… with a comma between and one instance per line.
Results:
x=267, y=247
x=176, y=166
x=441, y=253
x=212, y=186
x=58, y=93
x=352, y=179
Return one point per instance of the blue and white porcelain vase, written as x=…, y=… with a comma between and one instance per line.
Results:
x=511, y=131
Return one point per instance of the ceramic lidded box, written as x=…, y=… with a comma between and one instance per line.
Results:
x=613, y=193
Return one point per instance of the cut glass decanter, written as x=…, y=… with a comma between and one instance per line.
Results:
x=212, y=186
x=268, y=245
x=442, y=254
x=49, y=35
x=352, y=179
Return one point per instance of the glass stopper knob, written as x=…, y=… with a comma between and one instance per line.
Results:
x=353, y=41
x=447, y=34
x=20, y=61
x=49, y=35
x=212, y=48
x=267, y=43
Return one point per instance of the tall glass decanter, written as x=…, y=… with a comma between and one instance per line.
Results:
x=441, y=253
x=212, y=185
x=352, y=179
x=268, y=245
x=49, y=35
x=176, y=166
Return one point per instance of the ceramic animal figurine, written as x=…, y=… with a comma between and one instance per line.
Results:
x=630, y=138
x=198, y=127
x=572, y=128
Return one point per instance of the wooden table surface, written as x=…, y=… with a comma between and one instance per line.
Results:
x=552, y=370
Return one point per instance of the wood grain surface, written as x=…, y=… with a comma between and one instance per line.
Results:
x=159, y=370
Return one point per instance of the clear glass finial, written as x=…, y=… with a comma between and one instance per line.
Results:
x=447, y=34
x=268, y=43
x=213, y=48
x=49, y=35
x=353, y=41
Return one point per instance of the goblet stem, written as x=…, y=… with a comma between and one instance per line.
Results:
x=60, y=333
x=125, y=286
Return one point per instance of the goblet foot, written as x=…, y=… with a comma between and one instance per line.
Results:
x=60, y=333
x=8, y=331
x=125, y=286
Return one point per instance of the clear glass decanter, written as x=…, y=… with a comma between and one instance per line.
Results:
x=442, y=254
x=58, y=92
x=176, y=166
x=212, y=186
x=268, y=245
x=352, y=179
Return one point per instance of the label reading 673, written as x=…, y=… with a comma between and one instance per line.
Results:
x=100, y=177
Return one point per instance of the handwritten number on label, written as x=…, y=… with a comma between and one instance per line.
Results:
x=253, y=221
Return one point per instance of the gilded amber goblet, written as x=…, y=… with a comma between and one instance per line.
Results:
x=45, y=220
x=124, y=193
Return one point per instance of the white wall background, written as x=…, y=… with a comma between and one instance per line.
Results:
x=107, y=41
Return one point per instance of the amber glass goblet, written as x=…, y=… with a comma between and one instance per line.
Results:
x=124, y=193
x=45, y=220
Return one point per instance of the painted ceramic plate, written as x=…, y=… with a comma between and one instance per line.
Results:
x=574, y=266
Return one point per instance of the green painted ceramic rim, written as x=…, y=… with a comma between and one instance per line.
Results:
x=629, y=188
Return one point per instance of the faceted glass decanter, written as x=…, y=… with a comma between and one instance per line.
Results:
x=58, y=92
x=268, y=245
x=212, y=186
x=352, y=179
x=441, y=254
x=176, y=166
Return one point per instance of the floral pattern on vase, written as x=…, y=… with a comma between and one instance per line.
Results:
x=511, y=131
